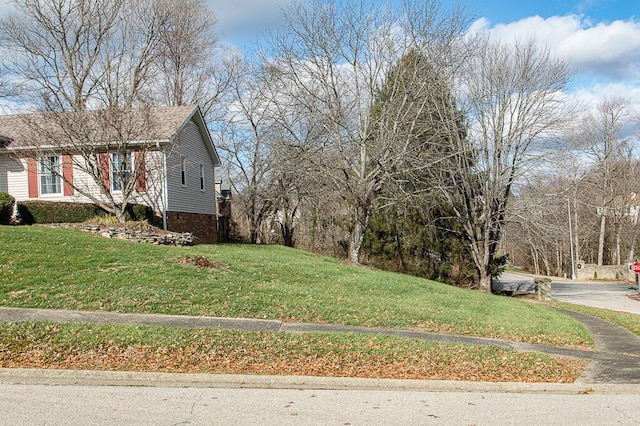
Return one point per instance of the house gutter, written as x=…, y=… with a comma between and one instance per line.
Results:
x=164, y=189
x=56, y=148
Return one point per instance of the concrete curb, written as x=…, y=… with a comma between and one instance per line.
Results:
x=26, y=376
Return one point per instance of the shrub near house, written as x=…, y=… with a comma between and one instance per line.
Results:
x=6, y=208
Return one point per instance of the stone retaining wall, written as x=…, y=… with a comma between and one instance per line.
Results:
x=587, y=271
x=141, y=235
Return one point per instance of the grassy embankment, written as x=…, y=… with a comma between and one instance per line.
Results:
x=67, y=269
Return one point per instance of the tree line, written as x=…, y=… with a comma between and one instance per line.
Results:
x=389, y=136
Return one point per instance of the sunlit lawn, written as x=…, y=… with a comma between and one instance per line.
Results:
x=69, y=269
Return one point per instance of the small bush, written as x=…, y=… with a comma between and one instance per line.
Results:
x=107, y=220
x=6, y=207
x=139, y=213
x=58, y=212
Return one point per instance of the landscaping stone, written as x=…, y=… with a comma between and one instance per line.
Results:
x=151, y=236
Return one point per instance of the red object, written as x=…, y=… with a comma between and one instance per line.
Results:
x=32, y=178
x=636, y=267
x=67, y=173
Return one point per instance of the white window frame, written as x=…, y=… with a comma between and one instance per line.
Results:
x=183, y=171
x=114, y=159
x=49, y=172
x=202, y=178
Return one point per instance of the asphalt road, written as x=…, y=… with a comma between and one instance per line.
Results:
x=612, y=296
x=89, y=405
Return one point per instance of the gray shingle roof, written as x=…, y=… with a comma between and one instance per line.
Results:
x=164, y=122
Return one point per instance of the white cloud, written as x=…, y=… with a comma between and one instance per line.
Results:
x=592, y=95
x=607, y=50
x=244, y=20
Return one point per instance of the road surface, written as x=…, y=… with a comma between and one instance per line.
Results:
x=115, y=405
x=612, y=296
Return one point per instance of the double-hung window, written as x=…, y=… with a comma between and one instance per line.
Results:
x=50, y=175
x=183, y=171
x=121, y=167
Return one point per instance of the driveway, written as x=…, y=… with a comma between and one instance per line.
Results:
x=596, y=294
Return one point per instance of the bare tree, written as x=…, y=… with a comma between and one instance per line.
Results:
x=89, y=67
x=75, y=55
x=537, y=232
x=247, y=137
x=601, y=139
x=512, y=96
x=191, y=70
x=332, y=60
x=6, y=90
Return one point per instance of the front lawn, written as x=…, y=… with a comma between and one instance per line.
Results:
x=45, y=267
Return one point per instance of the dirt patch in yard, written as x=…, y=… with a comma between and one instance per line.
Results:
x=202, y=262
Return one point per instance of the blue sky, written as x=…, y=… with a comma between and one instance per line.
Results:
x=503, y=11
x=600, y=38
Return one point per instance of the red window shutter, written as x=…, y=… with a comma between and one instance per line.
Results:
x=103, y=159
x=32, y=172
x=141, y=179
x=67, y=173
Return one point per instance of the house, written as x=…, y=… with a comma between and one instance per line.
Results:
x=178, y=157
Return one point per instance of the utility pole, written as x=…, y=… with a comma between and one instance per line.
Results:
x=573, y=264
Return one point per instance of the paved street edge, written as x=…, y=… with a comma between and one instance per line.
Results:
x=28, y=376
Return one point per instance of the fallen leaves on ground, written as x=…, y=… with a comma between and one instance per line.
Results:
x=227, y=352
x=634, y=296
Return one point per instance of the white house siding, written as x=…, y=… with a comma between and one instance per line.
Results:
x=14, y=174
x=82, y=180
x=14, y=180
x=189, y=198
x=150, y=197
x=5, y=164
x=154, y=173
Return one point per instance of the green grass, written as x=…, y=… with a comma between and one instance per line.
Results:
x=143, y=348
x=623, y=319
x=44, y=267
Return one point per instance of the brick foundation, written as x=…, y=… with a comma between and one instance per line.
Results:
x=202, y=226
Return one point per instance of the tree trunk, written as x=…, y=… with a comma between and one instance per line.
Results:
x=603, y=226
x=545, y=262
x=360, y=223
x=355, y=242
x=534, y=259
x=287, y=234
x=253, y=234
x=485, y=281
x=120, y=213
x=632, y=249
x=576, y=231
x=618, y=259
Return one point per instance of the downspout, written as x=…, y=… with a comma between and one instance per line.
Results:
x=164, y=187
x=164, y=195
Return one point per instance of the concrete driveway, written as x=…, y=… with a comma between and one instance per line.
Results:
x=612, y=296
